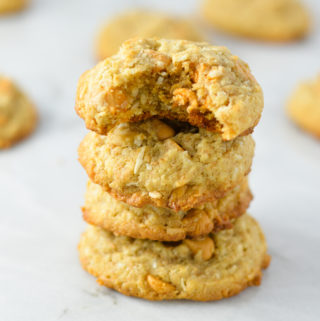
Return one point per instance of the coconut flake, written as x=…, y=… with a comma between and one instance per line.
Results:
x=139, y=160
x=155, y=194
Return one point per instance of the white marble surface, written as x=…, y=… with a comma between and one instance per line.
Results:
x=41, y=183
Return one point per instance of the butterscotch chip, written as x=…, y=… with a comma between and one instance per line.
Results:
x=203, y=247
x=192, y=82
x=159, y=286
x=163, y=131
x=272, y=20
x=162, y=224
x=7, y=6
x=143, y=24
x=18, y=117
x=190, y=168
x=156, y=271
x=304, y=106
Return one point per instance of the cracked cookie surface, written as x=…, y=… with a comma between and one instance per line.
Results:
x=165, y=164
x=192, y=82
x=210, y=268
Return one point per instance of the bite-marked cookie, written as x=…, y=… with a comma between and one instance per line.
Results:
x=142, y=24
x=193, y=82
x=304, y=106
x=171, y=165
x=162, y=224
x=210, y=268
x=271, y=20
x=18, y=117
x=7, y=6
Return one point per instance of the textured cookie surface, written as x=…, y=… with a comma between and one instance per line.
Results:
x=274, y=20
x=7, y=6
x=192, y=82
x=304, y=106
x=143, y=24
x=18, y=117
x=162, y=224
x=176, y=166
x=210, y=268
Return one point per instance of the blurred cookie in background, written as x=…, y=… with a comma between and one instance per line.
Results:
x=270, y=20
x=8, y=6
x=143, y=24
x=18, y=117
x=304, y=106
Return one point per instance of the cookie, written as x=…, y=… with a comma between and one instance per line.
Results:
x=210, y=268
x=18, y=117
x=304, y=106
x=143, y=24
x=7, y=6
x=171, y=164
x=270, y=20
x=162, y=224
x=192, y=82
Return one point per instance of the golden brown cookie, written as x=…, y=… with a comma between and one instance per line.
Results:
x=170, y=165
x=162, y=224
x=143, y=24
x=272, y=20
x=18, y=117
x=193, y=82
x=210, y=268
x=7, y=6
x=304, y=106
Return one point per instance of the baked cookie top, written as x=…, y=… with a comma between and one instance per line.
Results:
x=143, y=24
x=18, y=116
x=193, y=82
x=162, y=224
x=167, y=164
x=304, y=106
x=7, y=6
x=272, y=20
x=210, y=268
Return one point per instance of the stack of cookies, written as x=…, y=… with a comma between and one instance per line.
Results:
x=168, y=159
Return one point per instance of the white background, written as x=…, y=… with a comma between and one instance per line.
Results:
x=45, y=49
